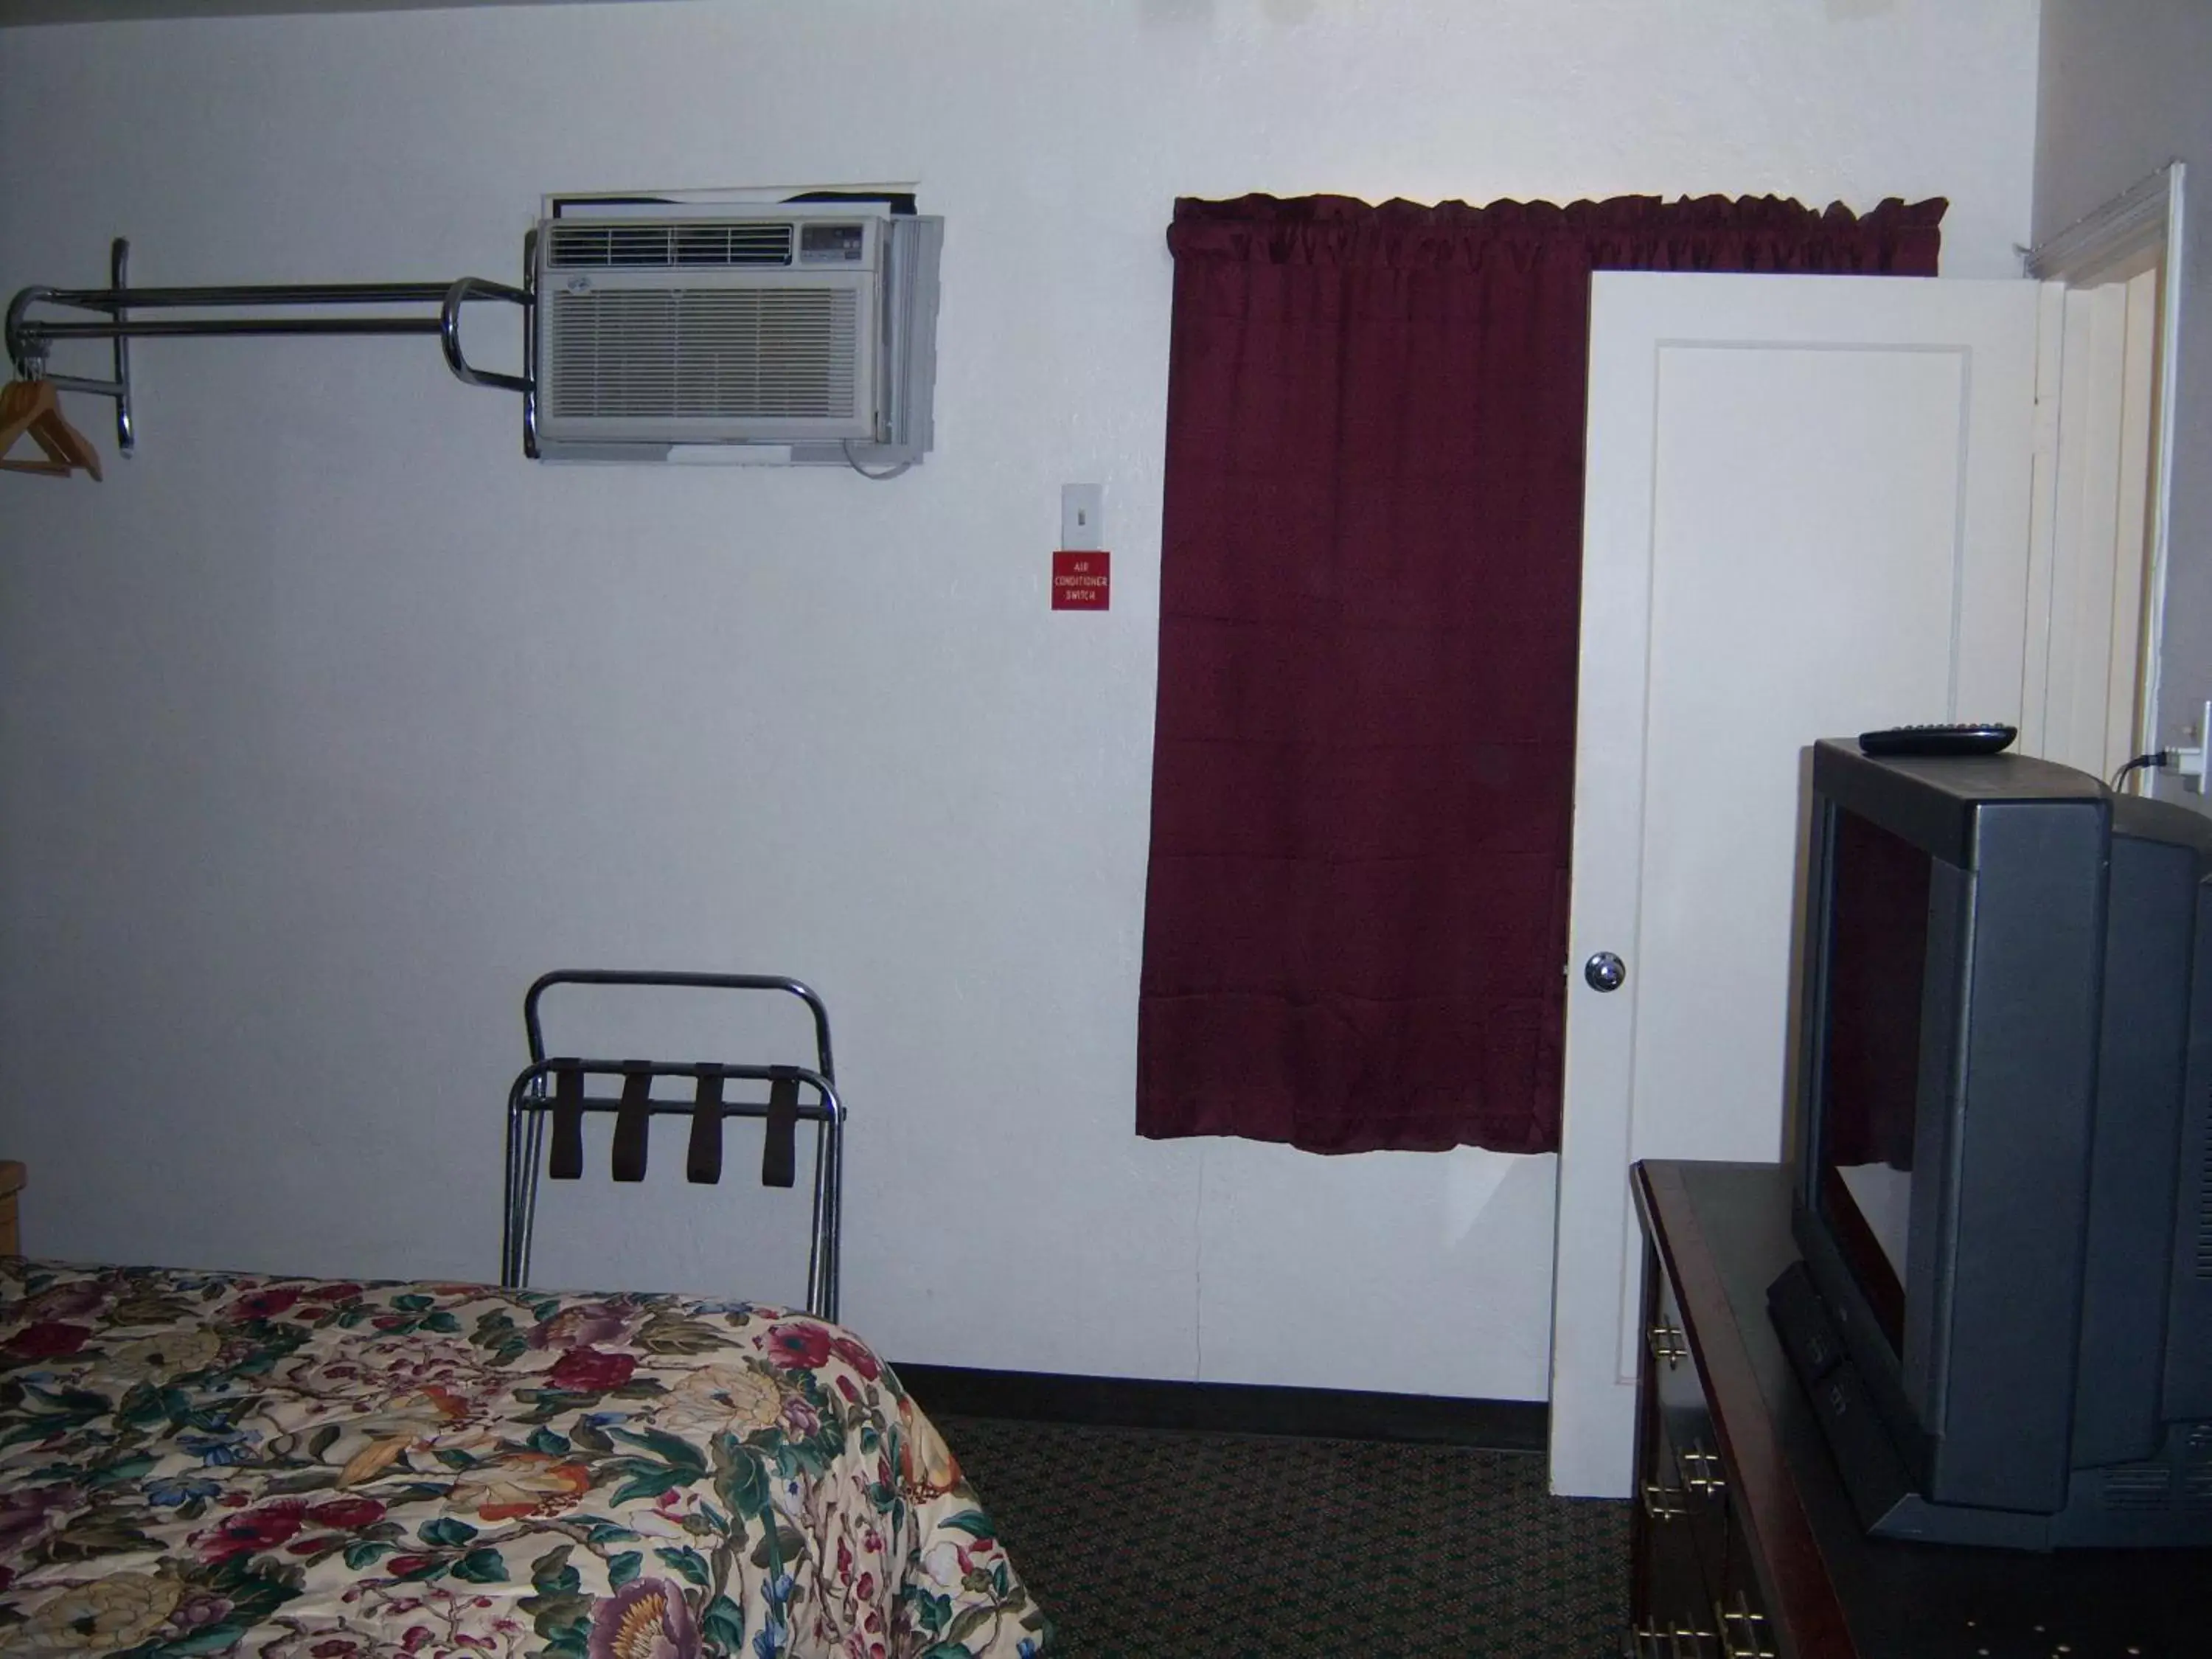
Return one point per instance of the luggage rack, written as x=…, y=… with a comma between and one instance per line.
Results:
x=551, y=1096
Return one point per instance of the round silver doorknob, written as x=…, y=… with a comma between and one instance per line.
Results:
x=1605, y=971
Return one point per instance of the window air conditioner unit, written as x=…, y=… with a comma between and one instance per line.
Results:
x=800, y=333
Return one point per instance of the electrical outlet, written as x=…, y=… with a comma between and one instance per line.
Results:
x=2189, y=763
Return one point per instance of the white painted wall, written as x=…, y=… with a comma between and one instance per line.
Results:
x=329, y=720
x=2122, y=94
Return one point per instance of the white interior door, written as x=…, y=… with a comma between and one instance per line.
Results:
x=1806, y=514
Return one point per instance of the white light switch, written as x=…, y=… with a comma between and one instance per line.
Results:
x=1082, y=517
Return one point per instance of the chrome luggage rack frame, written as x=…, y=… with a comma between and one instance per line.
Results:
x=549, y=1086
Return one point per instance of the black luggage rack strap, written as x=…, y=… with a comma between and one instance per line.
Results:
x=550, y=1096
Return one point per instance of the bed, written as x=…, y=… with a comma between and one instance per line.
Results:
x=206, y=1463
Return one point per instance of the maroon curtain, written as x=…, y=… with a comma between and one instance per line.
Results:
x=1356, y=916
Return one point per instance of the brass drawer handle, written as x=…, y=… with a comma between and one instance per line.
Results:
x=1667, y=1641
x=1702, y=1474
x=1669, y=1345
x=1665, y=1502
x=1742, y=1632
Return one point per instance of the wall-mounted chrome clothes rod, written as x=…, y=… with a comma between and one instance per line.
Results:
x=29, y=338
x=39, y=334
x=308, y=293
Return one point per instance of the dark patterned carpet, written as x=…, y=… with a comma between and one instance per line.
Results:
x=1148, y=1543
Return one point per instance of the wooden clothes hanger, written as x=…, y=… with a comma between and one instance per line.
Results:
x=29, y=408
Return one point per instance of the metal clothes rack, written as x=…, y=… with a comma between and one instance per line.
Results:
x=548, y=1087
x=29, y=338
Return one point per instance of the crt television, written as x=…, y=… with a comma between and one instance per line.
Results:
x=2004, y=1163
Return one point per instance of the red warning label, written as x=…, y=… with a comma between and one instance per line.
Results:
x=1081, y=581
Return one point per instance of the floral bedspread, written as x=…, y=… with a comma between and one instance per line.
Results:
x=198, y=1464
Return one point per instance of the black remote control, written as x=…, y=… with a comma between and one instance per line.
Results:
x=1938, y=740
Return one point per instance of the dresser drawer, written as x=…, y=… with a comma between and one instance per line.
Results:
x=1673, y=1617
x=1695, y=1594
x=1739, y=1614
x=1695, y=1577
x=1691, y=1468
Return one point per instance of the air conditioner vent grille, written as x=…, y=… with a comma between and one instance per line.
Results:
x=756, y=354
x=2139, y=1486
x=629, y=246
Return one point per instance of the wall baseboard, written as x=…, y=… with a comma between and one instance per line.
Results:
x=1507, y=1426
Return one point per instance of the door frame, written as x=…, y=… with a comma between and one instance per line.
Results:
x=2141, y=230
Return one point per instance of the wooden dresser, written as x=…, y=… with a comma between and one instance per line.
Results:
x=1745, y=1543
x=11, y=1182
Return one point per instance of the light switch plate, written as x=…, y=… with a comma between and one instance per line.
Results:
x=1082, y=517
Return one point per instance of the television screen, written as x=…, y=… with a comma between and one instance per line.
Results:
x=1878, y=954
